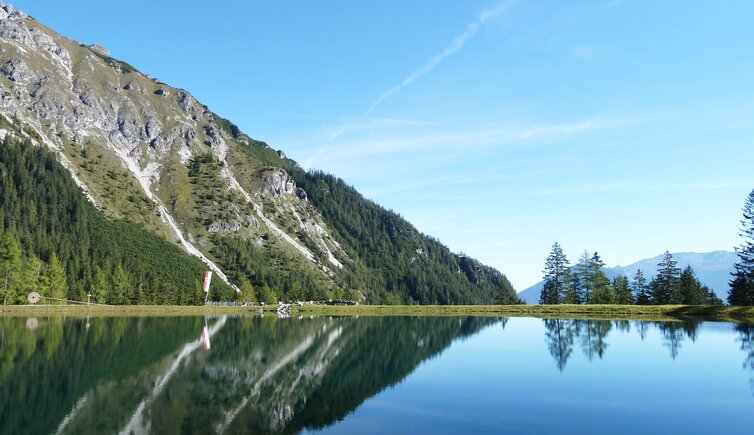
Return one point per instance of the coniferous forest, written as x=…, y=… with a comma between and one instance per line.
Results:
x=586, y=283
x=742, y=285
x=55, y=242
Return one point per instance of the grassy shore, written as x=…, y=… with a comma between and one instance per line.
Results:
x=627, y=312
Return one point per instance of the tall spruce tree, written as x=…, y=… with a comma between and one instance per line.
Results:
x=599, y=283
x=10, y=268
x=742, y=285
x=639, y=287
x=582, y=278
x=666, y=284
x=556, y=275
x=247, y=290
x=31, y=275
x=99, y=285
x=623, y=293
x=690, y=290
x=54, y=282
x=572, y=295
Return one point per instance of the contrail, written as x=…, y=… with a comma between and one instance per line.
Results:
x=457, y=44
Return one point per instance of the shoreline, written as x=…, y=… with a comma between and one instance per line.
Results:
x=606, y=312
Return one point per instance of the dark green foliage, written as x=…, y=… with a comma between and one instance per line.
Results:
x=228, y=127
x=53, y=367
x=557, y=275
x=665, y=286
x=641, y=290
x=81, y=248
x=690, y=290
x=506, y=295
x=243, y=259
x=623, y=294
x=742, y=285
x=389, y=258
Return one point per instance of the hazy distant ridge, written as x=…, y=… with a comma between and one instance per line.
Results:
x=712, y=268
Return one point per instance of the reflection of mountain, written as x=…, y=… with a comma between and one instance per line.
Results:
x=261, y=375
x=44, y=372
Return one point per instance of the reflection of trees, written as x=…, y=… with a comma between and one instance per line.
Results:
x=559, y=336
x=45, y=371
x=746, y=337
x=593, y=333
x=673, y=334
x=642, y=326
x=622, y=325
x=261, y=375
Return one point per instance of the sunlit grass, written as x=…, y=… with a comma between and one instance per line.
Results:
x=626, y=312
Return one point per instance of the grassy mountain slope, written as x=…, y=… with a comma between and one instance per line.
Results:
x=150, y=154
x=43, y=209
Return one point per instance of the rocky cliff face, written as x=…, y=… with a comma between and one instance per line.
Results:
x=151, y=153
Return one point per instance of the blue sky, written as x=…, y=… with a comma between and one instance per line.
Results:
x=625, y=127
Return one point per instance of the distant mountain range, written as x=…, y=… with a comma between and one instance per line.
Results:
x=712, y=268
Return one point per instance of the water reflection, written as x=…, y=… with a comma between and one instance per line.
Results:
x=257, y=374
x=141, y=375
x=746, y=337
x=592, y=334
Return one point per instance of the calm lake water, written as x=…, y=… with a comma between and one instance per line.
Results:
x=374, y=375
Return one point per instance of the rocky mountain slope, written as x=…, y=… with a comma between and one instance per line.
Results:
x=712, y=268
x=146, y=152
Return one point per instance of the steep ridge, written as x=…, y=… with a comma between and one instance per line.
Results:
x=150, y=153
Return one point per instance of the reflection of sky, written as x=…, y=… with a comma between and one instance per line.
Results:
x=505, y=380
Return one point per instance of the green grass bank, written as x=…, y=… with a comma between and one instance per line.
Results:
x=622, y=312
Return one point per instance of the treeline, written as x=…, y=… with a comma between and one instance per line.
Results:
x=391, y=262
x=562, y=335
x=53, y=241
x=264, y=275
x=586, y=283
x=742, y=285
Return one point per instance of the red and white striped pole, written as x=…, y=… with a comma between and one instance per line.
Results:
x=207, y=279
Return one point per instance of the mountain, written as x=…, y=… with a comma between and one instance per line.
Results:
x=149, y=154
x=712, y=268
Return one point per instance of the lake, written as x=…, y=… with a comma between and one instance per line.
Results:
x=373, y=375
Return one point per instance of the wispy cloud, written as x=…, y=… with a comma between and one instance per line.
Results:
x=456, y=45
x=623, y=186
x=474, y=137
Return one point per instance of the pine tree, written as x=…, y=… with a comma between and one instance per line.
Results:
x=556, y=275
x=10, y=268
x=582, y=278
x=30, y=277
x=99, y=285
x=599, y=289
x=603, y=291
x=54, y=282
x=267, y=295
x=665, y=288
x=711, y=297
x=623, y=293
x=639, y=287
x=742, y=285
x=247, y=290
x=572, y=295
x=690, y=289
x=120, y=287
